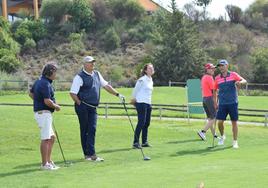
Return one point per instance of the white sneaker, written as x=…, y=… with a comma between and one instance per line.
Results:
x=221, y=141
x=94, y=158
x=54, y=166
x=47, y=166
x=223, y=137
x=235, y=144
x=201, y=135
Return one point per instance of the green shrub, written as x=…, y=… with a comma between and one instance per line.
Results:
x=4, y=52
x=4, y=24
x=115, y=73
x=22, y=33
x=260, y=65
x=147, y=59
x=127, y=9
x=29, y=44
x=218, y=52
x=76, y=42
x=29, y=29
x=9, y=63
x=55, y=10
x=142, y=31
x=15, y=25
x=111, y=40
x=7, y=42
x=120, y=27
x=67, y=28
x=37, y=29
x=102, y=12
x=81, y=15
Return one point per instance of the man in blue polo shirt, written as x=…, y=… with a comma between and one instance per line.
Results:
x=226, y=83
x=44, y=105
x=85, y=92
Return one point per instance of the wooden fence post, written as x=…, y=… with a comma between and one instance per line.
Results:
x=160, y=113
x=106, y=111
x=266, y=118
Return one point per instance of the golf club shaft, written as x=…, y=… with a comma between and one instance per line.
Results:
x=213, y=143
x=59, y=143
x=132, y=126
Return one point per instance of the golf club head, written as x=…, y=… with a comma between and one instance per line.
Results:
x=68, y=163
x=147, y=158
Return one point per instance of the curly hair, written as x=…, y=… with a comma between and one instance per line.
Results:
x=49, y=69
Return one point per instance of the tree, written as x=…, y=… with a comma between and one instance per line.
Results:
x=260, y=65
x=111, y=40
x=256, y=16
x=6, y=41
x=4, y=24
x=127, y=9
x=103, y=13
x=204, y=4
x=234, y=13
x=260, y=6
x=54, y=10
x=191, y=12
x=240, y=40
x=81, y=15
x=8, y=49
x=179, y=56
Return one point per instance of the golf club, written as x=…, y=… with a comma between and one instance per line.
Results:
x=57, y=136
x=213, y=142
x=145, y=158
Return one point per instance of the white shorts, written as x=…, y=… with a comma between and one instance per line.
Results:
x=44, y=121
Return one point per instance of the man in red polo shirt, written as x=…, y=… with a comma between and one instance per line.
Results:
x=226, y=83
x=207, y=86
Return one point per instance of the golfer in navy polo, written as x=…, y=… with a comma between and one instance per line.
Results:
x=226, y=83
x=85, y=92
x=44, y=105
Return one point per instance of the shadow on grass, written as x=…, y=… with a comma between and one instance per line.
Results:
x=200, y=151
x=34, y=167
x=31, y=165
x=60, y=163
x=184, y=141
x=115, y=150
x=2, y=175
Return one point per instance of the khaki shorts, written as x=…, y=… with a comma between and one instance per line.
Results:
x=44, y=121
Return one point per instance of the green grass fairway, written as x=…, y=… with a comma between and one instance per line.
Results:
x=179, y=158
x=161, y=95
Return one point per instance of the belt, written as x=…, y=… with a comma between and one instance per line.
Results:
x=90, y=105
x=42, y=111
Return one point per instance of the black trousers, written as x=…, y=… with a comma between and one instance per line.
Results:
x=88, y=122
x=144, y=117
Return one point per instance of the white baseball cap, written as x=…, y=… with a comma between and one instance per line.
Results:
x=88, y=59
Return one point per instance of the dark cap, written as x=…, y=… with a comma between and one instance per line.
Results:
x=223, y=62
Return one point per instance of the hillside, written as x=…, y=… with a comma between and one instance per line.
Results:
x=122, y=37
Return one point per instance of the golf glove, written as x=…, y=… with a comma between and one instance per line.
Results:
x=121, y=98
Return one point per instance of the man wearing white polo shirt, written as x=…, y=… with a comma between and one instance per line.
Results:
x=85, y=92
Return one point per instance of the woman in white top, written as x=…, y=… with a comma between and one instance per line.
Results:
x=142, y=100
